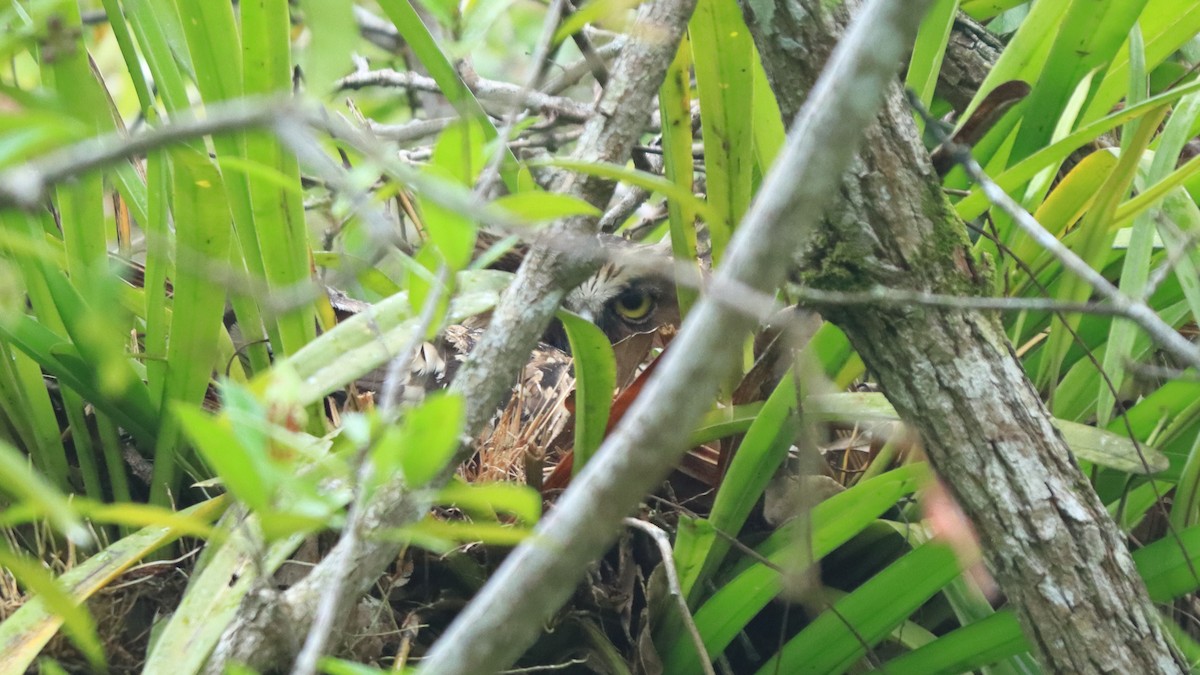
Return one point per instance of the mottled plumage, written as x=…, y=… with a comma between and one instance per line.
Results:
x=627, y=302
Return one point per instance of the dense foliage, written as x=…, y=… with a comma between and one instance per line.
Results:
x=183, y=181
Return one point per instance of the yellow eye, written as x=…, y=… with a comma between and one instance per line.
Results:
x=634, y=305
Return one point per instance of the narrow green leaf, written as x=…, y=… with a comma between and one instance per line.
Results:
x=722, y=51
x=521, y=501
x=837, y=638
x=213, y=596
x=965, y=649
x=725, y=422
x=133, y=62
x=758, y=457
x=1088, y=36
x=1088, y=443
x=423, y=443
x=242, y=469
x=536, y=207
x=1167, y=26
x=976, y=203
x=334, y=38
x=675, y=108
x=75, y=620
x=1168, y=566
x=423, y=45
x=371, y=338
x=29, y=488
x=593, y=11
x=152, y=21
x=1097, y=241
x=25, y=633
x=595, y=383
x=750, y=585
x=445, y=536
x=639, y=178
x=202, y=240
x=278, y=213
x=1135, y=268
x=926, y=60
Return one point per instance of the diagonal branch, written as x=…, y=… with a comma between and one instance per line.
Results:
x=540, y=575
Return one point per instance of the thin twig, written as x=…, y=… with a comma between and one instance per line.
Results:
x=488, y=90
x=573, y=72
x=663, y=542
x=25, y=185
x=1133, y=309
x=398, y=369
x=542, y=56
x=410, y=131
x=330, y=605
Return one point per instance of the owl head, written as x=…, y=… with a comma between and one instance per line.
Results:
x=625, y=300
x=630, y=294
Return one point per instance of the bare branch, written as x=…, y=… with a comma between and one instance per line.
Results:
x=25, y=185
x=485, y=90
x=539, y=576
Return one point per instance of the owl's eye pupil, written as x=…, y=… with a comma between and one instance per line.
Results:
x=634, y=305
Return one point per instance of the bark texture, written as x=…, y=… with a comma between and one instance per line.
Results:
x=952, y=375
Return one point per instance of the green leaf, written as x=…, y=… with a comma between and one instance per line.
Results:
x=458, y=158
x=521, y=501
x=926, y=60
x=537, y=206
x=758, y=456
x=24, y=634
x=649, y=181
x=675, y=108
x=1166, y=26
x=975, y=204
x=751, y=584
x=1089, y=36
x=724, y=422
x=723, y=54
x=42, y=586
x=1096, y=234
x=334, y=38
x=593, y=11
x=965, y=649
x=213, y=596
x=1088, y=443
x=203, y=239
x=1168, y=566
x=595, y=382
x=29, y=488
x=444, y=536
x=242, y=468
x=424, y=442
x=839, y=637
x=371, y=338
x=425, y=47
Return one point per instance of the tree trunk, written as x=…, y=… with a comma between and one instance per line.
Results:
x=953, y=376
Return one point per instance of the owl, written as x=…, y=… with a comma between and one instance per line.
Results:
x=633, y=305
x=630, y=304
